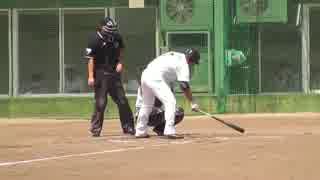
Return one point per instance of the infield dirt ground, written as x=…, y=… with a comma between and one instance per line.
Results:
x=274, y=147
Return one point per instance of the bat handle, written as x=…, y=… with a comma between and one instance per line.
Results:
x=204, y=112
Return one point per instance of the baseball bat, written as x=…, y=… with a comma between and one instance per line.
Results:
x=233, y=126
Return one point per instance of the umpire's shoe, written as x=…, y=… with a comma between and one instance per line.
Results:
x=95, y=134
x=129, y=130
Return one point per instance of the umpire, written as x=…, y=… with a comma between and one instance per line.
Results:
x=104, y=53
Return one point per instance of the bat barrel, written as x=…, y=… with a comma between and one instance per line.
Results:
x=233, y=126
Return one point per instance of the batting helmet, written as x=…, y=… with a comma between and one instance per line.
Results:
x=192, y=55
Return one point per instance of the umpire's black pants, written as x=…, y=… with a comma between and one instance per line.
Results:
x=106, y=83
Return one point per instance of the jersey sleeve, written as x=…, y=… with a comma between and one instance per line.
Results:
x=183, y=72
x=121, y=42
x=91, y=49
x=139, y=98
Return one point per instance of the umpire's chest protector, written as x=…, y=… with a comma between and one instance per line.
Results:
x=111, y=52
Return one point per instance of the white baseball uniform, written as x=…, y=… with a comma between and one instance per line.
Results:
x=156, y=79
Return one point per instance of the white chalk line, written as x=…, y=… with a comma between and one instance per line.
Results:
x=121, y=141
x=221, y=138
x=12, y=163
x=69, y=156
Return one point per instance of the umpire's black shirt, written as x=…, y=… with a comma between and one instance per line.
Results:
x=105, y=50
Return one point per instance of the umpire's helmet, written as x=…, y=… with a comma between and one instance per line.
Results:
x=192, y=55
x=108, y=25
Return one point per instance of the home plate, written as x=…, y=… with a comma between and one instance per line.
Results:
x=181, y=142
x=121, y=141
x=222, y=138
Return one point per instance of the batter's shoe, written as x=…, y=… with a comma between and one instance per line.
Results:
x=142, y=136
x=173, y=136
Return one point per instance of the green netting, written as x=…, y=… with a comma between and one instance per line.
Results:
x=4, y=53
x=274, y=55
x=61, y=3
x=243, y=77
x=49, y=44
x=200, y=74
x=69, y=3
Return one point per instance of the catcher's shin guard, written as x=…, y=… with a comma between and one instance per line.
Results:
x=156, y=118
x=159, y=119
x=179, y=115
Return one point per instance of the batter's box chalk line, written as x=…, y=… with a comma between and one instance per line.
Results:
x=12, y=163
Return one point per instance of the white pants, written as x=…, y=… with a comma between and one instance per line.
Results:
x=160, y=89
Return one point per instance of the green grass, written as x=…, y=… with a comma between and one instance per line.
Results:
x=82, y=107
x=4, y=107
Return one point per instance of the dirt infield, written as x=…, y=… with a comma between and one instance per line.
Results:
x=277, y=147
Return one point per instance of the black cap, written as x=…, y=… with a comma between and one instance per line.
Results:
x=193, y=55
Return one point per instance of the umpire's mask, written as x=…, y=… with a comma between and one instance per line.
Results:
x=108, y=27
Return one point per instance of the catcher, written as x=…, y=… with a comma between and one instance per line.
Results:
x=156, y=117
